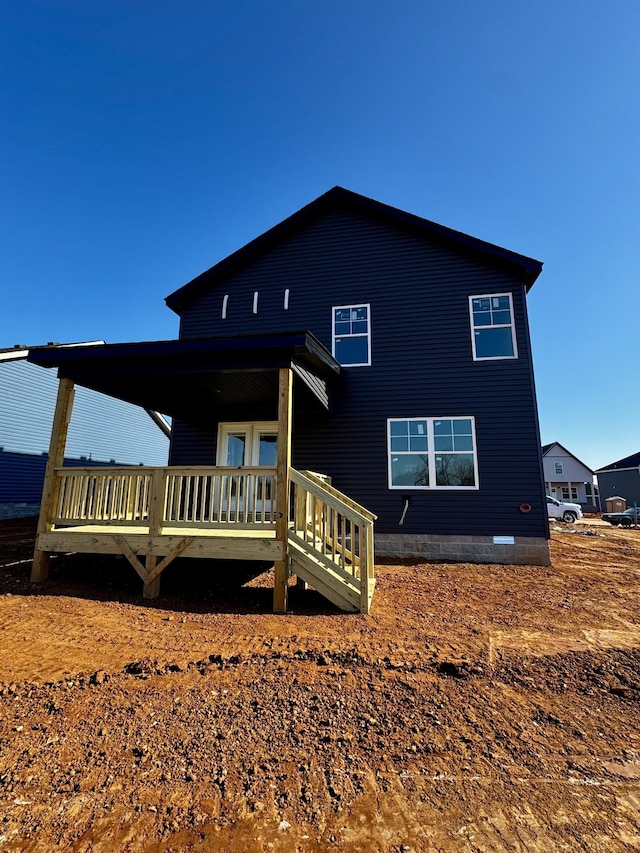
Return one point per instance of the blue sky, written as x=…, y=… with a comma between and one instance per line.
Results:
x=143, y=141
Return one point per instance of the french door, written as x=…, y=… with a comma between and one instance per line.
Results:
x=249, y=445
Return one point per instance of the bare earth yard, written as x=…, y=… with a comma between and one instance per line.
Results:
x=477, y=708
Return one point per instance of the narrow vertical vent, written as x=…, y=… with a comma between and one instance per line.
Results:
x=255, y=302
x=286, y=299
x=225, y=301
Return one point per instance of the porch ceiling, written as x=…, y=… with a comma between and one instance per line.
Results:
x=180, y=378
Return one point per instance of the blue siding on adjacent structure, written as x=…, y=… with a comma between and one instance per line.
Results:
x=103, y=430
x=422, y=365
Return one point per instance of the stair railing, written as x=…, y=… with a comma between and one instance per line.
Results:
x=336, y=529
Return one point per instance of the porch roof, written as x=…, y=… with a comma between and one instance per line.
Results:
x=182, y=377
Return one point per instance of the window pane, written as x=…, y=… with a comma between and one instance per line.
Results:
x=483, y=304
x=409, y=471
x=443, y=442
x=442, y=427
x=359, y=313
x=352, y=350
x=235, y=449
x=268, y=450
x=481, y=318
x=342, y=315
x=342, y=328
x=493, y=343
x=501, y=318
x=462, y=426
x=463, y=442
x=499, y=302
x=399, y=427
x=418, y=427
x=358, y=328
x=399, y=443
x=455, y=470
x=418, y=443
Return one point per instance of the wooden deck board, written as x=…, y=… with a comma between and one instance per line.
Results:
x=206, y=542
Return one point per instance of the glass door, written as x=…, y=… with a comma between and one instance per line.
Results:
x=248, y=445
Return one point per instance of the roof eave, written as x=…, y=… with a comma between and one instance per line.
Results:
x=528, y=268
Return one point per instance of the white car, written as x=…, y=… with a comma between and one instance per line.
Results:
x=564, y=511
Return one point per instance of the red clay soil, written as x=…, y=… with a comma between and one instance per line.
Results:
x=477, y=708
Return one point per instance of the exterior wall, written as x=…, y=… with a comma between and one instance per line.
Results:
x=625, y=484
x=102, y=431
x=422, y=365
x=574, y=474
x=554, y=488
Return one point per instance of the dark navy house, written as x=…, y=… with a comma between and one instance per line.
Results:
x=432, y=422
x=386, y=353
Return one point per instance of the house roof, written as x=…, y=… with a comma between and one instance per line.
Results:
x=21, y=351
x=339, y=198
x=632, y=461
x=186, y=378
x=547, y=447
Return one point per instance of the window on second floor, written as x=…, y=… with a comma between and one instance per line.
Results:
x=351, y=335
x=558, y=468
x=492, y=328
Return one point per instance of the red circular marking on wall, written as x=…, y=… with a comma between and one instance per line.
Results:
x=525, y=507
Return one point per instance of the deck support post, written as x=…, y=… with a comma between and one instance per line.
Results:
x=285, y=398
x=57, y=444
x=152, y=588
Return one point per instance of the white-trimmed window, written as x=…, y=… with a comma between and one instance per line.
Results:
x=351, y=335
x=493, y=333
x=432, y=453
x=558, y=468
x=569, y=495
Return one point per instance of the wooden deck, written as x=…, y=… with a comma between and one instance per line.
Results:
x=295, y=520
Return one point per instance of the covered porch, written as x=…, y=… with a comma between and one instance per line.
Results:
x=274, y=513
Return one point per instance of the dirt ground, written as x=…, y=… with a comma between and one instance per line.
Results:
x=477, y=708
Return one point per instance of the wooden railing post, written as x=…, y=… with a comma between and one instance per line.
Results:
x=156, y=501
x=59, y=429
x=282, y=493
x=156, y=518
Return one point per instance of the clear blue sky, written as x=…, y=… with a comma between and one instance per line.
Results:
x=143, y=141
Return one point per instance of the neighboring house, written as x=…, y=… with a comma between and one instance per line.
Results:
x=413, y=381
x=621, y=478
x=567, y=478
x=104, y=431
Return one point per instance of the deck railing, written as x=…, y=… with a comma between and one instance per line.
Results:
x=171, y=497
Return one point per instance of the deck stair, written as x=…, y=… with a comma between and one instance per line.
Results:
x=331, y=542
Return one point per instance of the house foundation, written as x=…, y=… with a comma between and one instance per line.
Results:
x=521, y=551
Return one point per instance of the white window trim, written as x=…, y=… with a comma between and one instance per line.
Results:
x=335, y=308
x=511, y=325
x=556, y=466
x=431, y=454
x=252, y=430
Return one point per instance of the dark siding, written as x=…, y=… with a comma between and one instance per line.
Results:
x=421, y=366
x=623, y=484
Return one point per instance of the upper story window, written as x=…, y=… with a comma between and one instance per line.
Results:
x=558, y=468
x=432, y=453
x=351, y=335
x=493, y=333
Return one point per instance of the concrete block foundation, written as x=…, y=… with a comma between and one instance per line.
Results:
x=524, y=551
